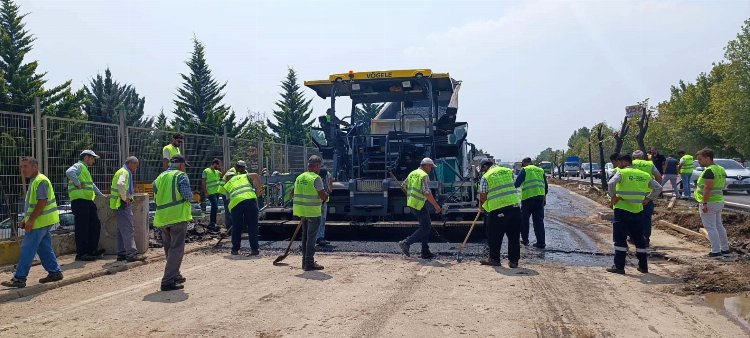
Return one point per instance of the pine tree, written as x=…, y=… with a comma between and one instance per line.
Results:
x=365, y=112
x=106, y=98
x=292, y=123
x=162, y=122
x=20, y=81
x=198, y=105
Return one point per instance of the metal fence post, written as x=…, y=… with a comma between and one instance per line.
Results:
x=304, y=151
x=226, y=149
x=39, y=138
x=260, y=157
x=123, y=134
x=286, y=155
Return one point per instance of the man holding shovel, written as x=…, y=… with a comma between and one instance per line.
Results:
x=499, y=199
x=307, y=199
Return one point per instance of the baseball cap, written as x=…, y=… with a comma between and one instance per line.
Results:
x=178, y=159
x=486, y=161
x=427, y=160
x=241, y=163
x=89, y=152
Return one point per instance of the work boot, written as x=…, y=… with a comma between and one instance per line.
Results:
x=121, y=258
x=525, y=242
x=51, y=277
x=614, y=269
x=427, y=255
x=14, y=283
x=642, y=270
x=313, y=267
x=321, y=242
x=180, y=280
x=490, y=262
x=727, y=252
x=404, y=248
x=254, y=252
x=235, y=252
x=540, y=246
x=714, y=255
x=86, y=258
x=172, y=287
x=137, y=258
x=513, y=265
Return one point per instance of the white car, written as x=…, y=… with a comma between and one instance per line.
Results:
x=609, y=170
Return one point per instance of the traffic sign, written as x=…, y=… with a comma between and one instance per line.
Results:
x=634, y=110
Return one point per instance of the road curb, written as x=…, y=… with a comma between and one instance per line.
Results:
x=39, y=288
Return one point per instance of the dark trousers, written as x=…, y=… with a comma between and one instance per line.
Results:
x=310, y=227
x=504, y=222
x=227, y=214
x=534, y=208
x=628, y=224
x=214, y=201
x=87, y=227
x=648, y=212
x=245, y=216
x=425, y=229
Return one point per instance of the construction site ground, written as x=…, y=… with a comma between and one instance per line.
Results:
x=368, y=289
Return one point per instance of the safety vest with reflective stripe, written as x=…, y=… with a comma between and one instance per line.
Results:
x=687, y=164
x=213, y=177
x=414, y=196
x=717, y=191
x=171, y=149
x=533, y=183
x=632, y=189
x=287, y=187
x=644, y=166
x=501, y=190
x=87, y=185
x=171, y=207
x=115, y=200
x=239, y=189
x=306, y=201
x=49, y=215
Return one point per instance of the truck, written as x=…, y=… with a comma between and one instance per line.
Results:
x=572, y=166
x=369, y=159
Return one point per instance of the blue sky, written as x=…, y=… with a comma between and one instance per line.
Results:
x=533, y=71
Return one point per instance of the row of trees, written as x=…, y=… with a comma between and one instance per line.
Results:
x=713, y=111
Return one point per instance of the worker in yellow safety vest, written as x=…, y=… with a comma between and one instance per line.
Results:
x=685, y=168
x=533, y=183
x=630, y=190
x=210, y=182
x=418, y=192
x=171, y=150
x=307, y=199
x=243, y=191
x=499, y=200
x=648, y=210
x=39, y=217
x=121, y=203
x=709, y=192
x=82, y=191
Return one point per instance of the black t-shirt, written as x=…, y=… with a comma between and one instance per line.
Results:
x=659, y=160
x=708, y=174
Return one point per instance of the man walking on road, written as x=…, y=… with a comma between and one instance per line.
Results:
x=709, y=193
x=630, y=189
x=648, y=210
x=173, y=212
x=171, y=150
x=307, y=199
x=670, y=175
x=685, y=168
x=121, y=202
x=82, y=191
x=243, y=191
x=39, y=217
x=418, y=192
x=210, y=181
x=534, y=189
x=499, y=200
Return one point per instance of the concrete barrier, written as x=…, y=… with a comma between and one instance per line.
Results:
x=10, y=250
x=108, y=237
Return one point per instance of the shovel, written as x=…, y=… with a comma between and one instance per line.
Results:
x=286, y=253
x=460, y=254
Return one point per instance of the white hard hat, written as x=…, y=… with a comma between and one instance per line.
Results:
x=241, y=163
x=89, y=152
x=427, y=160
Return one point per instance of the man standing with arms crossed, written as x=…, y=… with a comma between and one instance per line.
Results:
x=498, y=198
x=121, y=202
x=210, y=182
x=171, y=150
x=41, y=214
x=418, y=192
x=709, y=192
x=533, y=184
x=307, y=199
x=173, y=212
x=82, y=191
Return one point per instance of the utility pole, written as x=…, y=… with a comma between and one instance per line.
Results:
x=591, y=164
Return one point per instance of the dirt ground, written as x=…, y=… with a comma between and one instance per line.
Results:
x=562, y=292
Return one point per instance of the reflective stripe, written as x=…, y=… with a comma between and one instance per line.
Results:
x=309, y=204
x=421, y=198
x=49, y=211
x=535, y=186
x=633, y=193
x=632, y=200
x=641, y=250
x=239, y=191
x=536, y=180
x=621, y=248
x=32, y=205
x=305, y=196
x=501, y=194
x=500, y=187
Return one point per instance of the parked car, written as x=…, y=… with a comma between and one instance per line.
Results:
x=590, y=169
x=738, y=177
x=609, y=170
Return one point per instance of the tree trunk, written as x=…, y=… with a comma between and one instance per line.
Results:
x=620, y=136
x=642, y=129
x=602, y=163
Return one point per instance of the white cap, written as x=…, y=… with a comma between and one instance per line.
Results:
x=241, y=163
x=427, y=160
x=89, y=152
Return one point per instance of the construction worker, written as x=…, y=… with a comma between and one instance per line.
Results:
x=417, y=187
x=307, y=200
x=39, y=217
x=172, y=149
x=709, y=193
x=685, y=168
x=328, y=182
x=534, y=189
x=499, y=200
x=648, y=210
x=243, y=191
x=210, y=181
x=121, y=202
x=82, y=190
x=173, y=212
x=227, y=216
x=630, y=190
x=239, y=168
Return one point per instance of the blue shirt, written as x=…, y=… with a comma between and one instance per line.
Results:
x=522, y=177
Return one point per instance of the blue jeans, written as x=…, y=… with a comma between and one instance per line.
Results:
x=648, y=212
x=245, y=216
x=686, y=185
x=323, y=215
x=425, y=229
x=37, y=242
x=214, y=200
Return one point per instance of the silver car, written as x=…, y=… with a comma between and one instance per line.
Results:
x=738, y=177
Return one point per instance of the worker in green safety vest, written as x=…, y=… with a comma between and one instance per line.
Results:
x=648, y=167
x=243, y=191
x=172, y=195
x=39, y=218
x=709, y=192
x=239, y=168
x=685, y=168
x=418, y=192
x=82, y=190
x=533, y=183
x=222, y=191
x=499, y=200
x=307, y=199
x=121, y=202
x=630, y=190
x=210, y=182
x=171, y=150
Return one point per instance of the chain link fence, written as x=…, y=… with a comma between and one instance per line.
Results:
x=16, y=141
